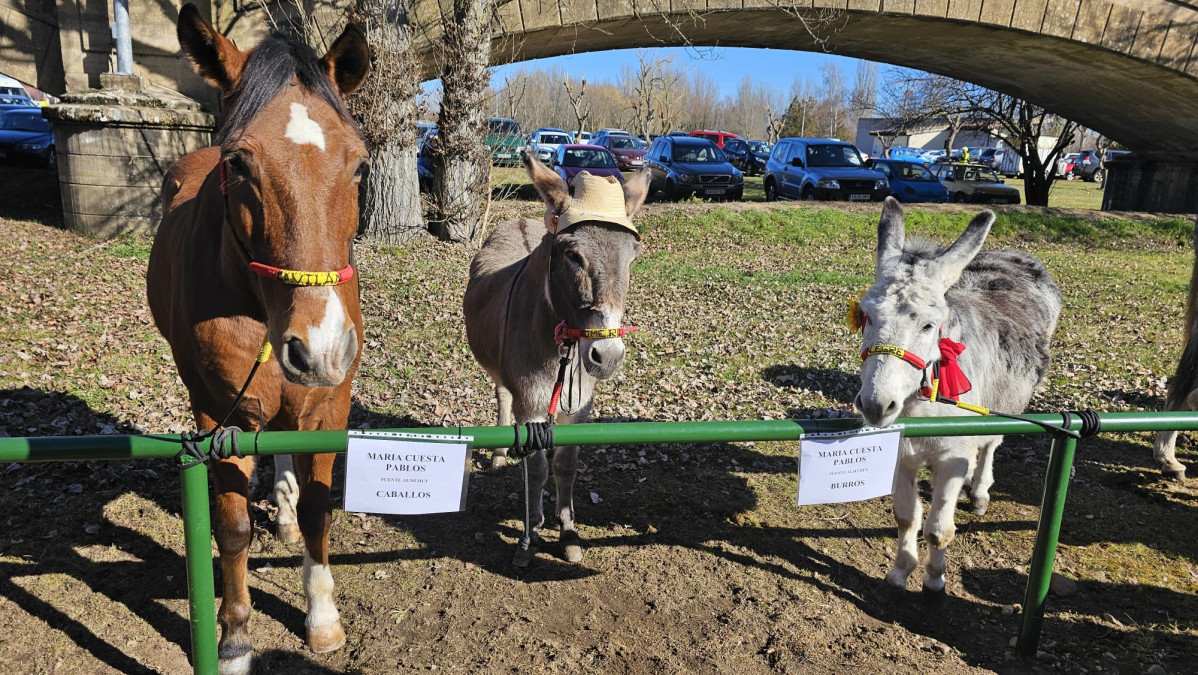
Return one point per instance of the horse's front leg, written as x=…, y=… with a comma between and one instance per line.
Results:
x=233, y=530
x=286, y=497
x=315, y=515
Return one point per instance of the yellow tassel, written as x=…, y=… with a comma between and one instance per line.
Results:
x=973, y=408
x=265, y=350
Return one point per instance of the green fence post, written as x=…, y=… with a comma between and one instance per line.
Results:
x=1048, y=530
x=201, y=590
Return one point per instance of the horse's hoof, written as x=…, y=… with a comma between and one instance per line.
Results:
x=288, y=533
x=572, y=546
x=326, y=638
x=241, y=665
x=934, y=599
x=888, y=592
x=498, y=462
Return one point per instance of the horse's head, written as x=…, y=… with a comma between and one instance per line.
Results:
x=594, y=244
x=291, y=161
x=904, y=311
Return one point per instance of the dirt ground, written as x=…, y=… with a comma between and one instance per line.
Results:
x=697, y=559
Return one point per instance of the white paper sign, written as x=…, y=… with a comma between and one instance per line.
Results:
x=847, y=467
x=406, y=474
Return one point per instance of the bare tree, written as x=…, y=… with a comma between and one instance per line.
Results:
x=461, y=161
x=387, y=109
x=582, y=107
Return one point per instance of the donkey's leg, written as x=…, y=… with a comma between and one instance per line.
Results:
x=503, y=398
x=983, y=475
x=1165, y=451
x=948, y=477
x=907, y=514
x=286, y=495
x=233, y=530
x=315, y=520
x=538, y=473
x=565, y=467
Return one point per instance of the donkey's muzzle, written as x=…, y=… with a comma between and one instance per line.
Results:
x=878, y=413
x=602, y=358
x=325, y=368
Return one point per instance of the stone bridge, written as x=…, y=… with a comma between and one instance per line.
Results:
x=1127, y=68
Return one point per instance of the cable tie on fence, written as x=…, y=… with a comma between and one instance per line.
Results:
x=1091, y=422
x=539, y=437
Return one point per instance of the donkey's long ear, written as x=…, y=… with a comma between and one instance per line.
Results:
x=891, y=234
x=554, y=191
x=635, y=192
x=348, y=60
x=213, y=56
x=953, y=261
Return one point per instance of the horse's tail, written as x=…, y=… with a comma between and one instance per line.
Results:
x=1187, y=368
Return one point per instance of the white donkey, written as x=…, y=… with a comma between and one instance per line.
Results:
x=1183, y=388
x=927, y=302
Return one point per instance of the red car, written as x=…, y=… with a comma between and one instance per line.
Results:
x=628, y=151
x=569, y=160
x=717, y=137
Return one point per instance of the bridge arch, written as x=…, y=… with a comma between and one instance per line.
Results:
x=1126, y=68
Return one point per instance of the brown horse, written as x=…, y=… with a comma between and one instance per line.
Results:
x=279, y=194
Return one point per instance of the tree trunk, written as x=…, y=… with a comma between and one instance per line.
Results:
x=386, y=107
x=462, y=162
x=1037, y=180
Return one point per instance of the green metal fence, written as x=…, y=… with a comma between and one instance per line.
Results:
x=198, y=532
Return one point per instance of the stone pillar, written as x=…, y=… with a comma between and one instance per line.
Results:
x=1151, y=183
x=114, y=145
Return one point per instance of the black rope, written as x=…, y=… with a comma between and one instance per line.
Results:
x=224, y=446
x=539, y=436
x=1091, y=423
x=1051, y=428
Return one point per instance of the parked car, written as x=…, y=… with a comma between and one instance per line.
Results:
x=717, y=137
x=628, y=151
x=678, y=133
x=933, y=156
x=27, y=138
x=821, y=168
x=975, y=183
x=905, y=153
x=504, y=140
x=569, y=160
x=545, y=143
x=16, y=102
x=424, y=162
x=748, y=156
x=1087, y=167
x=424, y=129
x=608, y=132
x=582, y=137
x=682, y=166
x=911, y=181
x=990, y=157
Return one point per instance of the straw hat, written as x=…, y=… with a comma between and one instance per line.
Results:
x=596, y=199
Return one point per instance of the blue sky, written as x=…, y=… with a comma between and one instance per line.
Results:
x=727, y=65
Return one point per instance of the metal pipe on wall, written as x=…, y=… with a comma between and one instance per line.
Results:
x=124, y=40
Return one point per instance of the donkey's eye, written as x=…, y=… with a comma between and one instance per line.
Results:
x=573, y=257
x=927, y=328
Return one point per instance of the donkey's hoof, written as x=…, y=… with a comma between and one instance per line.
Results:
x=288, y=533
x=572, y=546
x=326, y=638
x=498, y=462
x=241, y=665
x=524, y=556
x=934, y=599
x=1177, y=473
x=980, y=506
x=888, y=592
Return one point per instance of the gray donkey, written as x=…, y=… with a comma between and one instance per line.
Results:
x=531, y=276
x=927, y=302
x=1183, y=388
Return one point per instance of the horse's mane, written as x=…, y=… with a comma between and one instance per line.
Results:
x=270, y=68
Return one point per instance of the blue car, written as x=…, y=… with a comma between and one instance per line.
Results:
x=821, y=168
x=910, y=181
x=26, y=137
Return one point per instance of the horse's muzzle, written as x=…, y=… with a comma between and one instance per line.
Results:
x=326, y=368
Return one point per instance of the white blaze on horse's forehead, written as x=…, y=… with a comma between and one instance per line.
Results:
x=303, y=130
x=326, y=337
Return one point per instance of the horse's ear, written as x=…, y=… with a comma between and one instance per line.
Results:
x=554, y=191
x=348, y=60
x=891, y=234
x=213, y=56
x=635, y=192
x=961, y=253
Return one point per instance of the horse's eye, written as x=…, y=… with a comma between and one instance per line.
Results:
x=362, y=166
x=237, y=164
